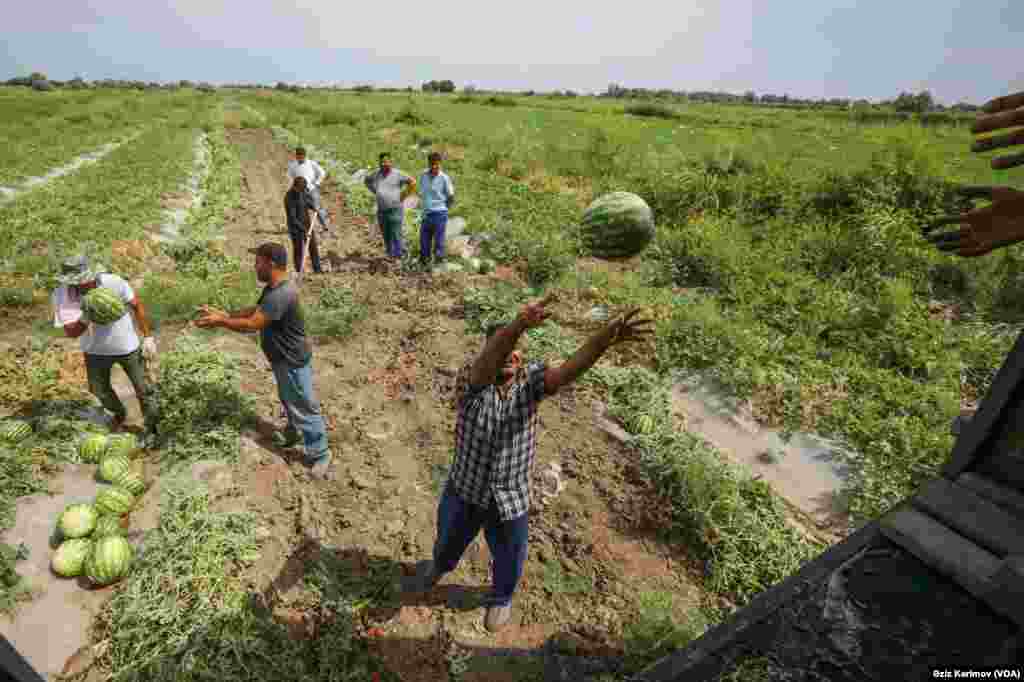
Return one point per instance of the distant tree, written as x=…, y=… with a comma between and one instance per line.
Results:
x=914, y=104
x=469, y=89
x=446, y=86
x=750, y=97
x=38, y=76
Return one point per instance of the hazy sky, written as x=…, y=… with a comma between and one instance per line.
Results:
x=873, y=49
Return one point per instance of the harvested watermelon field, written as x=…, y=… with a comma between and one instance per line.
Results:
x=787, y=268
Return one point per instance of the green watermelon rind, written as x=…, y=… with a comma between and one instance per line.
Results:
x=110, y=561
x=122, y=444
x=103, y=306
x=14, y=430
x=115, y=500
x=618, y=224
x=113, y=466
x=108, y=524
x=131, y=482
x=90, y=454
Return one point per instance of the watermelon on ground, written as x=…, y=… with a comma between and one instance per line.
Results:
x=617, y=225
x=122, y=444
x=108, y=524
x=117, y=501
x=14, y=430
x=132, y=482
x=112, y=466
x=110, y=560
x=103, y=306
x=69, y=559
x=92, y=448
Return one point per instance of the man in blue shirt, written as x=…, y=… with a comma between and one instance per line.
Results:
x=437, y=194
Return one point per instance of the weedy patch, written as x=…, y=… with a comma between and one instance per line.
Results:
x=335, y=314
x=13, y=587
x=656, y=631
x=202, y=406
x=753, y=669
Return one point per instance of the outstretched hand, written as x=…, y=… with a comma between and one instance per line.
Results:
x=534, y=314
x=210, y=316
x=627, y=329
x=1000, y=114
x=999, y=224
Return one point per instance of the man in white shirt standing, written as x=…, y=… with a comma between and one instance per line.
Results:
x=108, y=344
x=314, y=173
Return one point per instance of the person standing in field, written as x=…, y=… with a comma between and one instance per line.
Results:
x=1001, y=223
x=437, y=194
x=314, y=174
x=390, y=185
x=497, y=397
x=299, y=209
x=278, y=317
x=106, y=345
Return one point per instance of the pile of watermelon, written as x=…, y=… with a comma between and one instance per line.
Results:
x=94, y=542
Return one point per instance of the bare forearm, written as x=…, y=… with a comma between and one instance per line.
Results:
x=141, y=319
x=584, y=358
x=238, y=324
x=497, y=349
x=75, y=329
x=243, y=313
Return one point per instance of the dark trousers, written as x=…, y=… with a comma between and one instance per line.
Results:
x=98, y=367
x=459, y=522
x=299, y=243
x=432, y=231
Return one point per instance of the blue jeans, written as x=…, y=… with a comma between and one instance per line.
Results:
x=432, y=230
x=295, y=389
x=390, y=221
x=458, y=523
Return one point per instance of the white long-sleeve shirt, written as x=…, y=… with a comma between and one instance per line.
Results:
x=308, y=169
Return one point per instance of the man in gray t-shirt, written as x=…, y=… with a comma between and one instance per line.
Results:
x=278, y=318
x=390, y=185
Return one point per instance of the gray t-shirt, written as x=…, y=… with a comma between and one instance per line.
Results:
x=388, y=188
x=284, y=339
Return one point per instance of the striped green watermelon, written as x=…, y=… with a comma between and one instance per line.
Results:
x=77, y=520
x=617, y=225
x=69, y=559
x=92, y=448
x=112, y=466
x=14, y=430
x=103, y=306
x=108, y=524
x=117, y=501
x=110, y=560
x=123, y=444
x=131, y=482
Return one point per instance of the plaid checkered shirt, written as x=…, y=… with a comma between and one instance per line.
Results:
x=496, y=439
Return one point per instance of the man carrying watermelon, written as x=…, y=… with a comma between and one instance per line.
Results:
x=488, y=487
x=278, y=317
x=110, y=339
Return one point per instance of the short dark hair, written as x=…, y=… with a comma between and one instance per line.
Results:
x=384, y=155
x=300, y=150
x=276, y=253
x=434, y=156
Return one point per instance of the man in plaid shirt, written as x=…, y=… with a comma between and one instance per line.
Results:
x=495, y=443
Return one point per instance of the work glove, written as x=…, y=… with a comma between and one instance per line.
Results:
x=149, y=348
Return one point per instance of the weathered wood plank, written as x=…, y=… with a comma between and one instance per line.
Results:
x=701, y=659
x=1003, y=467
x=972, y=516
x=944, y=550
x=1007, y=498
x=993, y=407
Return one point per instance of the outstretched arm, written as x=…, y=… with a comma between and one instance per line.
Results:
x=498, y=347
x=622, y=330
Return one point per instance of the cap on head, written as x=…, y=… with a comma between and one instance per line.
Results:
x=275, y=253
x=76, y=271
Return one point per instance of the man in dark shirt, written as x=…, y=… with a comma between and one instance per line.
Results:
x=298, y=209
x=278, y=317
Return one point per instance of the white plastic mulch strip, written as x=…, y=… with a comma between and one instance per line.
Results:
x=175, y=218
x=29, y=184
